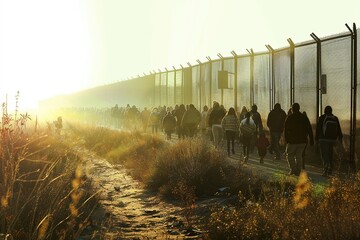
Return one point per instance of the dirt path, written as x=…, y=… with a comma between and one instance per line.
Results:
x=127, y=211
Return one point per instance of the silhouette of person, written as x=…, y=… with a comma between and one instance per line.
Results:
x=328, y=132
x=297, y=130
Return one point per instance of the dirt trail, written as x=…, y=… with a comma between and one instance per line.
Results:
x=127, y=211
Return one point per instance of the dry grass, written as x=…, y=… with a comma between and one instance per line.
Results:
x=299, y=214
x=42, y=188
x=192, y=168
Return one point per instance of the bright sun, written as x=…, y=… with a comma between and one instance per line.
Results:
x=45, y=50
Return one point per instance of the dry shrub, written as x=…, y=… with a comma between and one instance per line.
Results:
x=301, y=214
x=193, y=161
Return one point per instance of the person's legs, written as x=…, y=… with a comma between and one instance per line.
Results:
x=232, y=138
x=324, y=154
x=291, y=151
x=217, y=129
x=298, y=154
x=228, y=138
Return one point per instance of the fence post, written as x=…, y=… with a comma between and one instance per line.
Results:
x=318, y=74
x=235, y=79
x=252, y=99
x=271, y=77
x=353, y=95
x=210, y=82
x=200, y=85
x=292, y=71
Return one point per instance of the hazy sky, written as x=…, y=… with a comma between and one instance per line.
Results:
x=54, y=47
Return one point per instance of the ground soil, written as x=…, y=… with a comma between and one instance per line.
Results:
x=127, y=210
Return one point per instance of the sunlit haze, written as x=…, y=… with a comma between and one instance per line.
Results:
x=57, y=47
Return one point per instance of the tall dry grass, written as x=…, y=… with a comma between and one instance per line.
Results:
x=39, y=199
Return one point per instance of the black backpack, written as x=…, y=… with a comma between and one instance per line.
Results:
x=330, y=127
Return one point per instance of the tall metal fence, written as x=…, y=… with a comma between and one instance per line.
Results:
x=316, y=73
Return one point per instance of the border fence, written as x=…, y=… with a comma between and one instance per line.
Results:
x=316, y=73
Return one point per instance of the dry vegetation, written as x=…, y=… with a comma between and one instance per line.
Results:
x=190, y=169
x=44, y=193
x=43, y=188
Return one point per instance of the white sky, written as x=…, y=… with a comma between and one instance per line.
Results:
x=54, y=47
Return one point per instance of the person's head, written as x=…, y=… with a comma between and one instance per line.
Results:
x=295, y=107
x=254, y=108
x=277, y=106
x=231, y=111
x=205, y=108
x=247, y=114
x=191, y=106
x=216, y=105
x=328, y=110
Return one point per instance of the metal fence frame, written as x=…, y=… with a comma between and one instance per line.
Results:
x=205, y=79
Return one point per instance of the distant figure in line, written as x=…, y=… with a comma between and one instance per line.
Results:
x=247, y=132
x=230, y=125
x=58, y=125
x=262, y=144
x=169, y=124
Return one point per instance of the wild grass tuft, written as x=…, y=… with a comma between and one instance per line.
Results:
x=36, y=188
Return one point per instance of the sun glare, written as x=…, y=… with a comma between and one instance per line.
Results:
x=45, y=50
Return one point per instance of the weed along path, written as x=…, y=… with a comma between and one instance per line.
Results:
x=128, y=211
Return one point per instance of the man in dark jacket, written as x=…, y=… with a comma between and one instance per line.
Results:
x=328, y=131
x=191, y=120
x=275, y=123
x=297, y=130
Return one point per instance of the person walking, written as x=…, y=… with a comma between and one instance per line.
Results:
x=144, y=117
x=154, y=120
x=190, y=121
x=179, y=113
x=230, y=125
x=169, y=124
x=203, y=123
x=328, y=132
x=262, y=143
x=297, y=130
x=215, y=118
x=255, y=115
x=275, y=123
x=247, y=132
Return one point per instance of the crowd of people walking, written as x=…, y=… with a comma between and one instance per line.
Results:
x=245, y=128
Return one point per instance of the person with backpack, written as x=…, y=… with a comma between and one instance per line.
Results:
x=297, y=131
x=247, y=132
x=328, y=132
